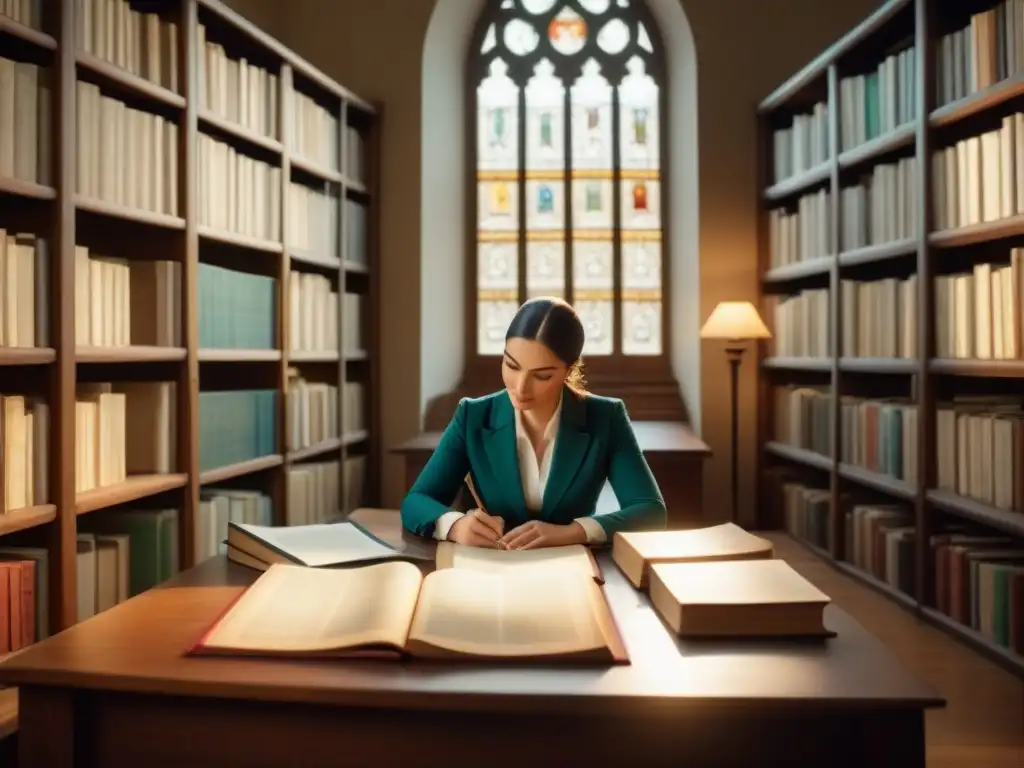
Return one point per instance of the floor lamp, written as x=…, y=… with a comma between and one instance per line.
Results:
x=735, y=322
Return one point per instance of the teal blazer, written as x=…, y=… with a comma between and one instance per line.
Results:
x=595, y=443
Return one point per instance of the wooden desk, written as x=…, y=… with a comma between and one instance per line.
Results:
x=116, y=691
x=675, y=455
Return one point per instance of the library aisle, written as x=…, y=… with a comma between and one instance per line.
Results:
x=983, y=724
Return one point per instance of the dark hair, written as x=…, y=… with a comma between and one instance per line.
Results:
x=554, y=323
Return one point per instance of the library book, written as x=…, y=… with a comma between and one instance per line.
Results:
x=391, y=610
x=634, y=552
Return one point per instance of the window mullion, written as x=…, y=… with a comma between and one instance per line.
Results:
x=521, y=128
x=617, y=330
x=567, y=194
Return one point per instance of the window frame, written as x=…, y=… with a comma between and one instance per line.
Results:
x=605, y=369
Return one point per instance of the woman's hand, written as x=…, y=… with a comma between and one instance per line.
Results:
x=536, y=533
x=477, y=529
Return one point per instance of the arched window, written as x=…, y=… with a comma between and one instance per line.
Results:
x=567, y=107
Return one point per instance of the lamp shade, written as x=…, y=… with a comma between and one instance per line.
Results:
x=735, y=320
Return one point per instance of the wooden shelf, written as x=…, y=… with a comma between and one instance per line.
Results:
x=312, y=451
x=242, y=241
x=925, y=383
x=22, y=32
x=358, y=436
x=973, y=234
x=134, y=488
x=314, y=357
x=313, y=169
x=1000, y=519
x=132, y=354
x=875, y=253
x=26, y=355
x=798, y=271
x=240, y=469
x=798, y=363
x=239, y=355
x=355, y=268
x=128, y=214
x=881, y=365
x=798, y=183
x=993, y=96
x=315, y=261
x=880, y=145
x=239, y=131
x=991, y=369
x=27, y=517
x=29, y=189
x=66, y=220
x=128, y=81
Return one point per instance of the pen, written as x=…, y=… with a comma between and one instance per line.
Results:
x=476, y=497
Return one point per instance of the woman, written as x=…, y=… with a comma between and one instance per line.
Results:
x=538, y=452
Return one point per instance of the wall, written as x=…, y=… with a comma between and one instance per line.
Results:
x=744, y=50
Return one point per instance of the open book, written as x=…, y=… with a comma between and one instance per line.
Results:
x=325, y=545
x=741, y=598
x=549, y=561
x=635, y=552
x=393, y=609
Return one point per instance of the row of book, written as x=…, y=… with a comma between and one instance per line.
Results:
x=879, y=318
x=803, y=145
x=238, y=194
x=979, y=574
x=878, y=102
x=237, y=310
x=979, y=441
x=980, y=450
x=235, y=89
x=314, y=131
x=986, y=51
x=26, y=102
x=801, y=324
x=978, y=312
x=880, y=208
x=120, y=302
x=313, y=308
x=977, y=315
x=24, y=277
x=236, y=426
x=24, y=427
x=313, y=221
x=133, y=39
x=313, y=411
x=113, y=142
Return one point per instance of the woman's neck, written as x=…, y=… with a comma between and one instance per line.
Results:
x=536, y=420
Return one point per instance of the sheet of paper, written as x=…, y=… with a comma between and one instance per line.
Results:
x=323, y=544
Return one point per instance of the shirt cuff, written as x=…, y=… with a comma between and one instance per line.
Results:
x=444, y=524
x=595, y=531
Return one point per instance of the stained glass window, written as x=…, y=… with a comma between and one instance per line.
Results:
x=568, y=180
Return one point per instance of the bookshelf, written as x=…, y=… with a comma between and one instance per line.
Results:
x=188, y=293
x=890, y=235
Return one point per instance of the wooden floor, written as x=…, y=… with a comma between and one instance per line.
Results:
x=983, y=724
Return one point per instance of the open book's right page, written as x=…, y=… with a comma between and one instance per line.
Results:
x=576, y=558
x=635, y=552
x=525, y=615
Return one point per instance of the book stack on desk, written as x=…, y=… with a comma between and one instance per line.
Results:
x=720, y=581
x=336, y=591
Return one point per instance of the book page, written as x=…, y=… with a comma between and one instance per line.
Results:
x=317, y=545
x=514, y=614
x=294, y=609
x=576, y=558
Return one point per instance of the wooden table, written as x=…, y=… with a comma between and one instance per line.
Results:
x=116, y=691
x=673, y=452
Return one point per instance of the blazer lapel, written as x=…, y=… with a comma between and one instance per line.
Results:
x=570, y=450
x=500, y=445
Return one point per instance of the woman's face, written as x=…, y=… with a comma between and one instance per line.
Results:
x=533, y=375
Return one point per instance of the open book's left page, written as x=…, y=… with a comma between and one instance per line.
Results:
x=294, y=610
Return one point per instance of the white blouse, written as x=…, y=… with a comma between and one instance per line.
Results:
x=533, y=474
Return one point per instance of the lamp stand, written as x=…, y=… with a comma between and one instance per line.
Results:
x=735, y=355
